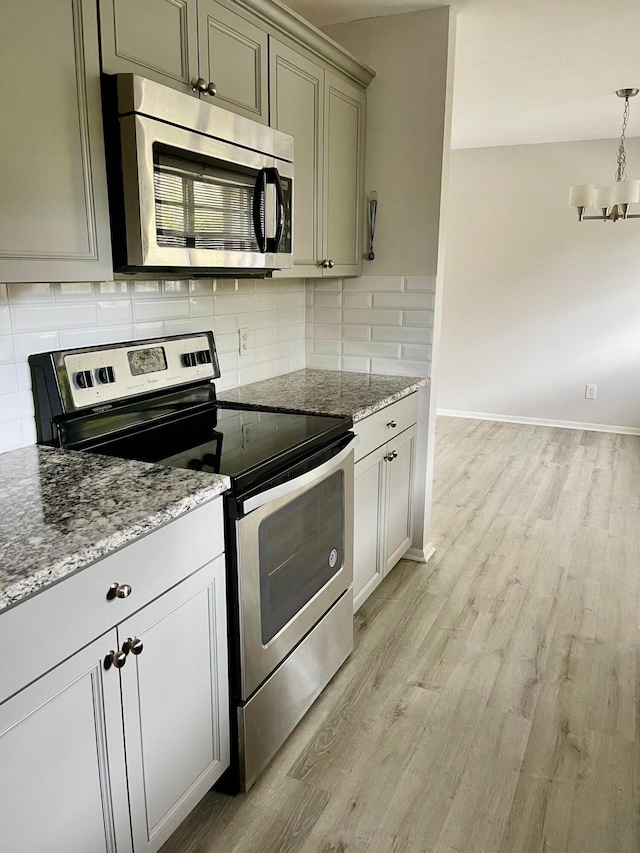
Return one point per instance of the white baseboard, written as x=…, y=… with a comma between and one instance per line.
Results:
x=419, y=556
x=515, y=419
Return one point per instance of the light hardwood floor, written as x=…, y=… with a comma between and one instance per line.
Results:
x=490, y=705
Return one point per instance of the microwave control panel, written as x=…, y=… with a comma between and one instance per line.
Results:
x=98, y=375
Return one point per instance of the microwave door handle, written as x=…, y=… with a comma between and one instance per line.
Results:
x=259, y=202
x=273, y=177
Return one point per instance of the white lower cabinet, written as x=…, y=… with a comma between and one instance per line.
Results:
x=97, y=757
x=63, y=785
x=383, y=497
x=175, y=703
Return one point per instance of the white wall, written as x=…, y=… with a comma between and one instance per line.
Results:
x=536, y=305
x=40, y=317
x=383, y=322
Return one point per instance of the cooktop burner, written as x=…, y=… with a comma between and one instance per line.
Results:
x=241, y=443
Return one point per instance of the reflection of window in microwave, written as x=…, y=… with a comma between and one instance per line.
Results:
x=203, y=206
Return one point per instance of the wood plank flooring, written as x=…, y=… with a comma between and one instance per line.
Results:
x=491, y=703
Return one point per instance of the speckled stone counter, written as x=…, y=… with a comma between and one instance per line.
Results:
x=61, y=510
x=328, y=392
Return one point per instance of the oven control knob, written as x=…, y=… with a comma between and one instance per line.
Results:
x=189, y=359
x=83, y=379
x=106, y=375
x=204, y=356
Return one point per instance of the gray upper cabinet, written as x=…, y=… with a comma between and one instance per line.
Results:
x=193, y=41
x=326, y=117
x=344, y=125
x=297, y=108
x=54, y=221
x=233, y=55
x=154, y=38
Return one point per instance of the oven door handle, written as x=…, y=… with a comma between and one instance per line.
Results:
x=316, y=474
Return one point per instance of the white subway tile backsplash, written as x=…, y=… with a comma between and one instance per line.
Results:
x=175, y=288
x=324, y=346
x=356, y=333
x=406, y=301
x=147, y=330
x=326, y=331
x=356, y=365
x=329, y=284
x=16, y=406
x=273, y=352
x=255, y=373
x=25, y=345
x=114, y=312
x=371, y=316
x=78, y=291
x=291, y=332
x=402, y=334
x=420, y=282
x=23, y=372
x=288, y=316
x=27, y=317
x=185, y=327
x=94, y=337
x=326, y=315
x=400, y=368
x=147, y=288
x=7, y=354
x=30, y=293
x=201, y=287
x=416, y=352
x=262, y=337
x=8, y=379
x=201, y=306
x=323, y=299
x=112, y=289
x=323, y=362
x=234, y=304
x=418, y=318
x=5, y=320
x=11, y=434
x=160, y=309
x=370, y=349
x=373, y=283
x=357, y=300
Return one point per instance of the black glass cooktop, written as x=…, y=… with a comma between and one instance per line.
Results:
x=245, y=444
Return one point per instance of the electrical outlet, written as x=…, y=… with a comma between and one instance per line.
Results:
x=590, y=392
x=243, y=341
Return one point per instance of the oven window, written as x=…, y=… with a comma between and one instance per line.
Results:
x=202, y=205
x=301, y=549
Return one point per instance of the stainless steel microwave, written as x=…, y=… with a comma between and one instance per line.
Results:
x=194, y=190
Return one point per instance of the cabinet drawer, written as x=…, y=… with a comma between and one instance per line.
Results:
x=376, y=430
x=45, y=629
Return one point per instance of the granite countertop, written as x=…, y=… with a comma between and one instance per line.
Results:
x=327, y=392
x=62, y=510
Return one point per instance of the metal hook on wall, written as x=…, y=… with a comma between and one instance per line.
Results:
x=373, y=215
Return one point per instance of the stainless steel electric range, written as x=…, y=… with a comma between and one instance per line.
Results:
x=289, y=513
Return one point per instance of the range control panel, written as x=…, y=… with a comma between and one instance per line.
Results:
x=103, y=374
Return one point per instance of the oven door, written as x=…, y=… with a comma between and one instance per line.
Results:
x=295, y=560
x=193, y=201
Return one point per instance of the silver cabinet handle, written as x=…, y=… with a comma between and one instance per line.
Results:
x=392, y=425
x=117, y=659
x=199, y=85
x=327, y=264
x=211, y=90
x=133, y=645
x=118, y=590
x=391, y=456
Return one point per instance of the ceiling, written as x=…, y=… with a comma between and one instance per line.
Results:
x=527, y=71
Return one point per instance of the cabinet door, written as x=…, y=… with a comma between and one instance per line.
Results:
x=344, y=127
x=399, y=497
x=54, y=221
x=63, y=785
x=175, y=703
x=367, y=525
x=296, y=96
x=233, y=56
x=169, y=56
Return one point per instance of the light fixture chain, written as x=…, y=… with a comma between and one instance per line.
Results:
x=621, y=174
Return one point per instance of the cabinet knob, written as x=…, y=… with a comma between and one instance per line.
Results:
x=211, y=90
x=392, y=425
x=133, y=645
x=199, y=85
x=391, y=456
x=327, y=264
x=116, y=659
x=118, y=590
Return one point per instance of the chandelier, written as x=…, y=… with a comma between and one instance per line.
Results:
x=612, y=200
